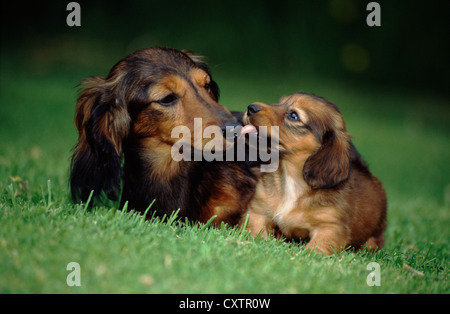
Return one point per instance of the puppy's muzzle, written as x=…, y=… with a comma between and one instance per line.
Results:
x=253, y=109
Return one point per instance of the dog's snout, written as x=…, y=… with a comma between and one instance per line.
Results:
x=252, y=109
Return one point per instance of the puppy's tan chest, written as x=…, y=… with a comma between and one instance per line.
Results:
x=288, y=198
x=290, y=205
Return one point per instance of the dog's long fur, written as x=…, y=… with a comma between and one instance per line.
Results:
x=124, y=147
x=323, y=191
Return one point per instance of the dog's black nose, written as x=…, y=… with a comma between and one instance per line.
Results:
x=252, y=109
x=230, y=128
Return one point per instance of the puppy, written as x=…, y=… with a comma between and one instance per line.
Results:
x=322, y=191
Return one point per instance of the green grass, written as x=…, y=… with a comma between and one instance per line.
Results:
x=404, y=136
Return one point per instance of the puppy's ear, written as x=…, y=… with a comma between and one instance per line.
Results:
x=330, y=165
x=103, y=122
x=200, y=62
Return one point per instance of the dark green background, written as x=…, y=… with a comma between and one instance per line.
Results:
x=410, y=50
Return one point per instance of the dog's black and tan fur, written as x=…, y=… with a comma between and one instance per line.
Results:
x=323, y=191
x=125, y=122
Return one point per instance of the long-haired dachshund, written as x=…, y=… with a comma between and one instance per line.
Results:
x=323, y=191
x=125, y=124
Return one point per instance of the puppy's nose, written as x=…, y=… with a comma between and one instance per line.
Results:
x=252, y=109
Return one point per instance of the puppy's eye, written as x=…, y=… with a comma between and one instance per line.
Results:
x=169, y=100
x=292, y=115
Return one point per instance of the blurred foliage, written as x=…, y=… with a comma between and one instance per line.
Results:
x=325, y=38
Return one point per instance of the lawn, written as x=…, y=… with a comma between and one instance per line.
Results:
x=403, y=134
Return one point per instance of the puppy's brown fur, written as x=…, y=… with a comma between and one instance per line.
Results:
x=323, y=191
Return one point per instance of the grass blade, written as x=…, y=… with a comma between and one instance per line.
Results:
x=206, y=225
x=49, y=189
x=173, y=217
x=244, y=232
x=146, y=211
x=13, y=196
x=125, y=207
x=88, y=200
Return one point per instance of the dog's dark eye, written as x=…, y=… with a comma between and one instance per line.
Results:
x=213, y=90
x=292, y=115
x=169, y=100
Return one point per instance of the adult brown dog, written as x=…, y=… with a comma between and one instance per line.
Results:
x=125, y=124
x=322, y=191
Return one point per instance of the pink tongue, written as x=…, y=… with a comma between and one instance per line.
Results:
x=248, y=129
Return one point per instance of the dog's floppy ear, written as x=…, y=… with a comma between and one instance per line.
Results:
x=103, y=122
x=330, y=165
